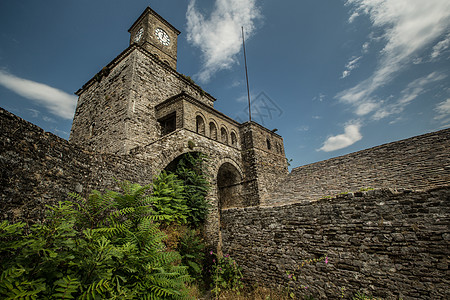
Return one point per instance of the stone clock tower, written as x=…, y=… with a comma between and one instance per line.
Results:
x=139, y=107
x=156, y=35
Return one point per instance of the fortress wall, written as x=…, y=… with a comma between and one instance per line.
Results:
x=39, y=168
x=391, y=244
x=103, y=109
x=420, y=162
x=387, y=244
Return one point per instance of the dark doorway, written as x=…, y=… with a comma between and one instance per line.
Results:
x=229, y=186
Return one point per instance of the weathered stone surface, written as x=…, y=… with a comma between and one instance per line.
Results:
x=38, y=168
x=122, y=112
x=138, y=115
x=414, y=163
x=406, y=257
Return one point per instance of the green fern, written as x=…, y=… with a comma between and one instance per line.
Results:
x=10, y=237
x=168, y=198
x=192, y=248
x=65, y=287
x=14, y=285
x=96, y=290
x=190, y=170
x=108, y=246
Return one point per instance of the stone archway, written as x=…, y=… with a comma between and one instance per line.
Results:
x=229, y=186
x=229, y=193
x=166, y=152
x=172, y=166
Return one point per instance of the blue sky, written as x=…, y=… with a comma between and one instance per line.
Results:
x=333, y=76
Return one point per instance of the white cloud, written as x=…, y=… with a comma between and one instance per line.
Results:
x=48, y=119
x=410, y=93
x=350, y=66
x=352, y=18
x=219, y=36
x=59, y=103
x=441, y=47
x=61, y=133
x=365, y=47
x=366, y=108
x=319, y=98
x=350, y=136
x=408, y=27
x=443, y=112
x=34, y=112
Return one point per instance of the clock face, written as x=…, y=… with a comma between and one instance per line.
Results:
x=138, y=35
x=162, y=36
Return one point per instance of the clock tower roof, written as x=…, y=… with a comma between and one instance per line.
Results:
x=150, y=11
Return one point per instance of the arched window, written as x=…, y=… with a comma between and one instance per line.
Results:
x=233, y=139
x=212, y=131
x=268, y=144
x=200, y=125
x=224, y=135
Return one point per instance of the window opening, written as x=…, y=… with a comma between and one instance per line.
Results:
x=200, y=125
x=168, y=123
x=233, y=139
x=212, y=131
x=224, y=135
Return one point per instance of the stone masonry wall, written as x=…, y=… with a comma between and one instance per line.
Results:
x=181, y=141
x=102, y=110
x=188, y=109
x=38, y=168
x=392, y=245
x=420, y=162
x=120, y=101
x=153, y=83
x=263, y=159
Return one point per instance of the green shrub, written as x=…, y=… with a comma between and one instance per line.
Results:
x=192, y=250
x=190, y=171
x=105, y=247
x=168, y=198
x=226, y=274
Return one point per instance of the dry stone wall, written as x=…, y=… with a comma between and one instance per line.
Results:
x=420, y=162
x=393, y=245
x=389, y=244
x=38, y=168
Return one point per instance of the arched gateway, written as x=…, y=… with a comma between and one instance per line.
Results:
x=229, y=186
x=141, y=106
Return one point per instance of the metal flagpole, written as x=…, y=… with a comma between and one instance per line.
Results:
x=246, y=76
